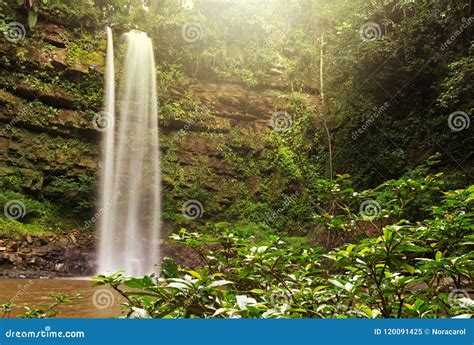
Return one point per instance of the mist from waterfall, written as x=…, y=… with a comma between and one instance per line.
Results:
x=130, y=175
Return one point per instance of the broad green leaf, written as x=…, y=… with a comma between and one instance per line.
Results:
x=219, y=283
x=32, y=19
x=367, y=310
x=194, y=274
x=387, y=233
x=138, y=283
x=169, y=268
x=410, y=269
x=320, y=287
x=179, y=286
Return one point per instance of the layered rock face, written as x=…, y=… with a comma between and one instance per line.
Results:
x=46, y=128
x=47, y=124
x=50, y=89
x=46, y=255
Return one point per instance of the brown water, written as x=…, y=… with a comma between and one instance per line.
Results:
x=97, y=302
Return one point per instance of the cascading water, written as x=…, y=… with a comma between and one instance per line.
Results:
x=130, y=175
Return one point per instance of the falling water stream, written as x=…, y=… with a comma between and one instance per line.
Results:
x=130, y=175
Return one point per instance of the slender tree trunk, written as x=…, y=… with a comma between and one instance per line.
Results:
x=321, y=68
x=324, y=110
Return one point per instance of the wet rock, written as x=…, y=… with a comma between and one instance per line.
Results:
x=73, y=238
x=65, y=255
x=15, y=259
x=54, y=96
x=64, y=240
x=77, y=71
x=54, y=34
x=13, y=246
x=58, y=59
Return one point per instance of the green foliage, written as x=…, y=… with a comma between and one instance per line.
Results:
x=34, y=217
x=87, y=51
x=404, y=271
x=75, y=194
x=397, y=240
x=408, y=269
x=235, y=273
x=167, y=75
x=188, y=109
x=406, y=67
x=47, y=310
x=286, y=163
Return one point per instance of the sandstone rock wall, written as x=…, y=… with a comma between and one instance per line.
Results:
x=48, y=97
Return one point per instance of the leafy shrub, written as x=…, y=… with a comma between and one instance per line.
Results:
x=32, y=216
x=409, y=269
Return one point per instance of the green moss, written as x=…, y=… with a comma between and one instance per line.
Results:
x=33, y=216
x=87, y=51
x=187, y=109
x=74, y=194
x=17, y=179
x=88, y=89
x=13, y=227
x=36, y=83
x=167, y=76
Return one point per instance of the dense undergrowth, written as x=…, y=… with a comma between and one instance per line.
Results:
x=416, y=260
x=407, y=71
x=30, y=216
x=282, y=234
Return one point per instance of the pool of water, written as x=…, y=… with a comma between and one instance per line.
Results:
x=97, y=302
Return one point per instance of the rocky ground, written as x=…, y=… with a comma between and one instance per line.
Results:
x=26, y=256
x=50, y=90
x=65, y=255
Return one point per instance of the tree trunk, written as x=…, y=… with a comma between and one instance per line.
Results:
x=325, y=110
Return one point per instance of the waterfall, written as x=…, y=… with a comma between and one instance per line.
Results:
x=130, y=175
